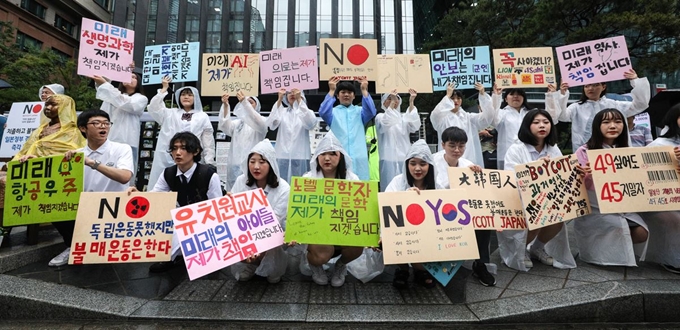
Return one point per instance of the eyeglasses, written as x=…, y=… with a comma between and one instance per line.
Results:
x=100, y=123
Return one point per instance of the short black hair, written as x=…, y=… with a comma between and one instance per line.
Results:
x=272, y=179
x=429, y=179
x=191, y=144
x=85, y=116
x=458, y=94
x=525, y=135
x=671, y=121
x=454, y=134
x=138, y=88
x=345, y=86
x=597, y=138
x=341, y=171
x=511, y=91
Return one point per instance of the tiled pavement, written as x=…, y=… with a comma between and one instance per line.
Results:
x=618, y=293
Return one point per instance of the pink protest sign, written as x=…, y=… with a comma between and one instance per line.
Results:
x=594, y=61
x=105, y=50
x=223, y=231
x=289, y=68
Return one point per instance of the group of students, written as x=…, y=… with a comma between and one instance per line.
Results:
x=185, y=152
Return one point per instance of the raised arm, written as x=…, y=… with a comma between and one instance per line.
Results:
x=326, y=108
x=556, y=102
x=129, y=103
x=274, y=119
x=488, y=114
x=249, y=116
x=368, y=110
x=157, y=108
x=226, y=124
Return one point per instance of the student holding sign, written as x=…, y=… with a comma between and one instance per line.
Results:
x=246, y=131
x=262, y=171
x=330, y=161
x=394, y=128
x=294, y=121
x=108, y=168
x=188, y=117
x=537, y=138
x=347, y=121
x=420, y=175
x=581, y=113
x=454, y=143
x=449, y=113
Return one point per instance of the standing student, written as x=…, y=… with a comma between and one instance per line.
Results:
x=537, y=138
x=246, y=131
x=193, y=182
x=188, y=117
x=262, y=171
x=347, y=121
x=293, y=121
x=607, y=239
x=640, y=136
x=448, y=113
x=125, y=105
x=592, y=101
x=419, y=175
x=394, y=129
x=108, y=167
x=454, y=142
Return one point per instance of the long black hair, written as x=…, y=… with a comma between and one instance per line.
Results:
x=340, y=171
x=429, y=178
x=272, y=179
x=525, y=135
x=138, y=88
x=511, y=91
x=584, y=97
x=597, y=138
x=671, y=121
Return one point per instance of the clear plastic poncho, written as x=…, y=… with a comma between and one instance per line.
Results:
x=171, y=123
x=419, y=150
x=246, y=131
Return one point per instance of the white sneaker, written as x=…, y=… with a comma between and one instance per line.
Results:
x=527, y=260
x=338, y=278
x=61, y=259
x=542, y=256
x=319, y=275
x=273, y=280
x=247, y=273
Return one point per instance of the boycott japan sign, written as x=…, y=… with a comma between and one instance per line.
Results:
x=523, y=67
x=494, y=201
x=349, y=59
x=223, y=231
x=289, y=68
x=635, y=179
x=552, y=191
x=23, y=119
x=105, y=50
x=434, y=225
x=594, y=61
x=126, y=229
x=230, y=73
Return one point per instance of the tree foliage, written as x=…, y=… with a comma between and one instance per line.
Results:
x=651, y=27
x=28, y=70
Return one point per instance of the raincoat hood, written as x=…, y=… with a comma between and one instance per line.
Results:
x=257, y=108
x=55, y=88
x=420, y=150
x=327, y=144
x=67, y=110
x=285, y=98
x=265, y=149
x=384, y=97
x=198, y=107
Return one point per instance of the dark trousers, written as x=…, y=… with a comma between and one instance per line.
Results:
x=483, y=241
x=65, y=229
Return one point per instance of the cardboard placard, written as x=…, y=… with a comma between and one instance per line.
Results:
x=230, y=73
x=23, y=119
x=402, y=72
x=349, y=59
x=289, y=68
x=463, y=66
x=105, y=50
x=594, y=61
x=524, y=67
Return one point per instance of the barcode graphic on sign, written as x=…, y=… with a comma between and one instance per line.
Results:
x=656, y=158
x=662, y=176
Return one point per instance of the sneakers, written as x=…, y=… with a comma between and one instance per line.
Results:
x=273, y=280
x=319, y=275
x=542, y=256
x=527, y=260
x=247, y=273
x=671, y=269
x=61, y=259
x=338, y=278
x=485, y=278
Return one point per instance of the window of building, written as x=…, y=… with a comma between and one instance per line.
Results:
x=26, y=42
x=192, y=26
x=63, y=57
x=345, y=29
x=64, y=25
x=151, y=23
x=103, y=3
x=130, y=14
x=324, y=20
x=302, y=23
x=236, y=22
x=34, y=8
x=389, y=37
x=407, y=27
x=366, y=23
x=214, y=32
x=281, y=24
x=258, y=22
x=173, y=21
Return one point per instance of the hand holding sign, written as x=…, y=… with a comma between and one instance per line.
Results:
x=449, y=89
x=165, y=82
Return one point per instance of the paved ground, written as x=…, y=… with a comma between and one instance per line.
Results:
x=544, y=294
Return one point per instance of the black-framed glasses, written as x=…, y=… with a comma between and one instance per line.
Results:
x=100, y=123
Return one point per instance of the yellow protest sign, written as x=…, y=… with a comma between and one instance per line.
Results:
x=524, y=67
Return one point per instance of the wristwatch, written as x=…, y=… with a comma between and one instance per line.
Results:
x=95, y=165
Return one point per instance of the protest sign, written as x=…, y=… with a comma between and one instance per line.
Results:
x=443, y=271
x=289, y=68
x=225, y=230
x=594, y=61
x=635, y=179
x=523, y=67
x=45, y=189
x=230, y=73
x=23, y=119
x=135, y=228
x=552, y=191
x=349, y=59
x=494, y=200
x=402, y=72
x=462, y=66
x=434, y=225
x=105, y=50
x=178, y=61
x=333, y=212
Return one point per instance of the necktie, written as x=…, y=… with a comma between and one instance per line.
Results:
x=187, y=116
x=183, y=179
